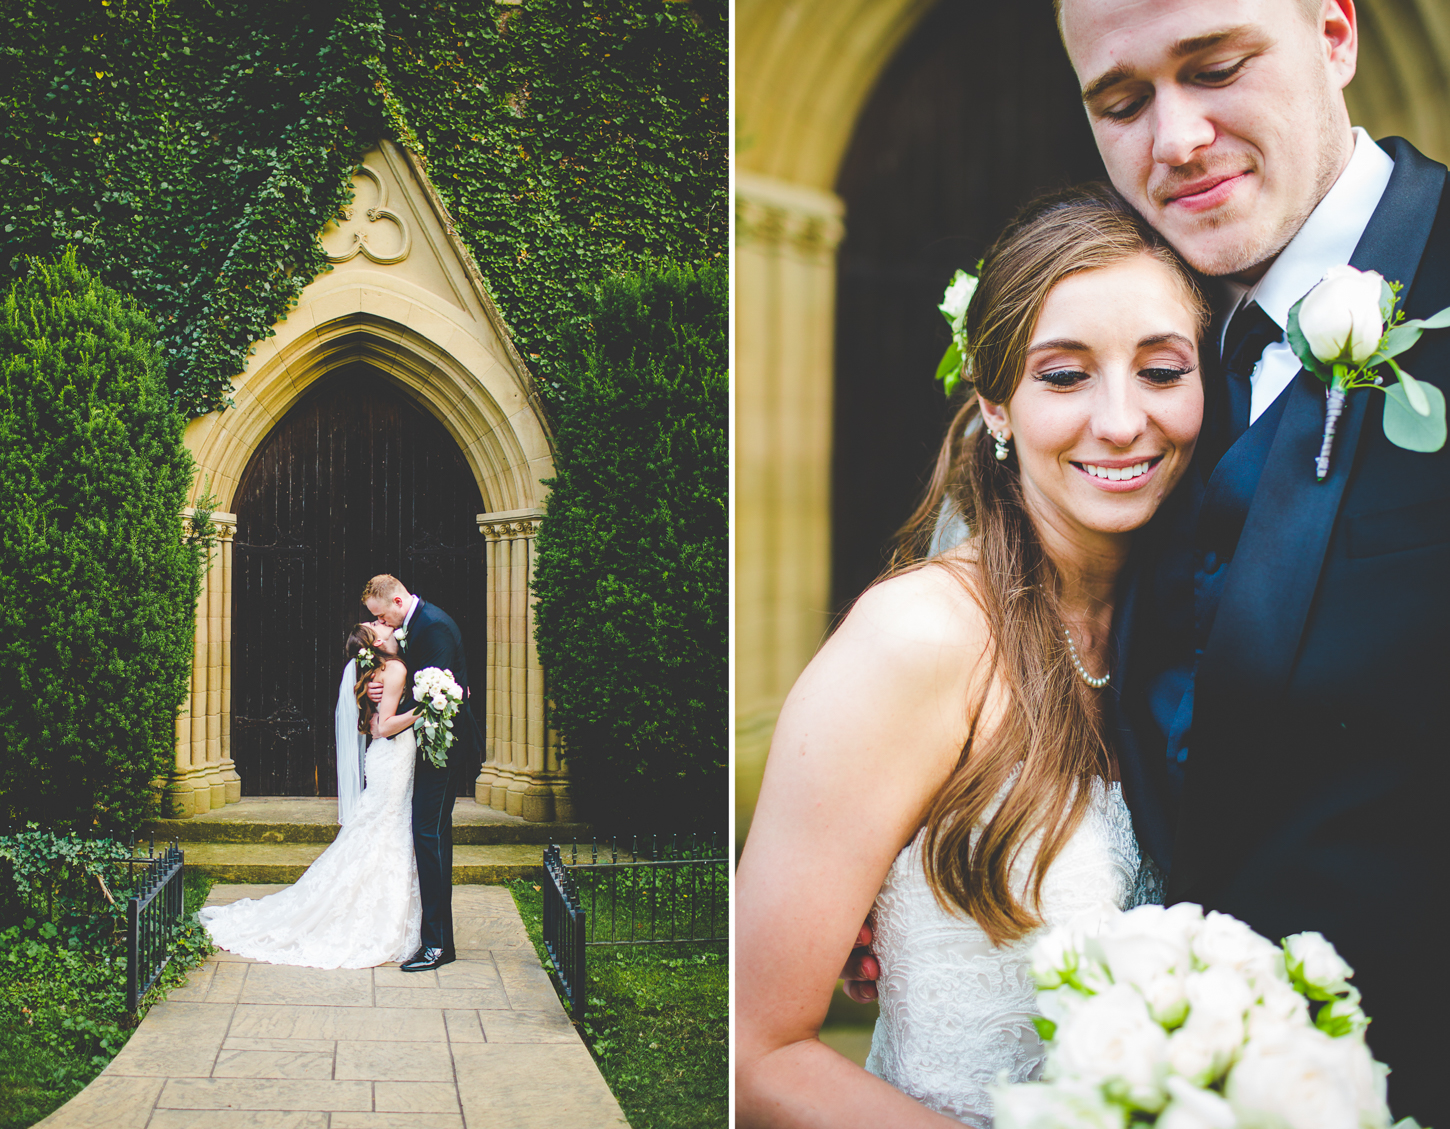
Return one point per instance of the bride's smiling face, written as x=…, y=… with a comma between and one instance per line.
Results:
x=1106, y=415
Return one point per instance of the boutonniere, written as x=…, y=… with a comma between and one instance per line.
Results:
x=400, y=636
x=1346, y=328
x=953, y=307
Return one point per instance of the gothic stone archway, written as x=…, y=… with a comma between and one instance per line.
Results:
x=406, y=300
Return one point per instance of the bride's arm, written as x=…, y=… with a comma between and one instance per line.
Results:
x=868, y=734
x=389, y=722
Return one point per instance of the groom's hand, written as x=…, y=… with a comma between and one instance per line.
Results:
x=861, y=970
x=375, y=692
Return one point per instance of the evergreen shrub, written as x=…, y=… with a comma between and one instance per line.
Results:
x=97, y=586
x=631, y=582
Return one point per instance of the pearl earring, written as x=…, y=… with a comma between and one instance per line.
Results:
x=1001, y=437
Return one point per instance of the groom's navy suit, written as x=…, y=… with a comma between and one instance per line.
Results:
x=1310, y=623
x=434, y=640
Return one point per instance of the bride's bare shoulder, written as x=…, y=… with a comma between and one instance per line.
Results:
x=932, y=605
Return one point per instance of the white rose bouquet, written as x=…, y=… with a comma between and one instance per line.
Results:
x=1345, y=328
x=438, y=697
x=1185, y=1020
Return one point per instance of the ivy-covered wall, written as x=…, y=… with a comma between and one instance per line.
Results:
x=192, y=149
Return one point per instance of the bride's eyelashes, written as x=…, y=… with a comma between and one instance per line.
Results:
x=1165, y=375
x=1071, y=378
x=1061, y=378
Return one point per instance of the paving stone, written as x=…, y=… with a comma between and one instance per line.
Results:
x=394, y=1062
x=534, y=1086
x=391, y=976
x=291, y=1045
x=269, y=1093
x=397, y=1121
x=280, y=1021
x=274, y=1064
x=226, y=982
x=110, y=1102
x=177, y=1040
x=442, y=997
x=525, y=982
x=415, y=1097
x=469, y=974
x=198, y=983
x=290, y=984
x=463, y=1026
x=237, y=1119
x=527, y=1027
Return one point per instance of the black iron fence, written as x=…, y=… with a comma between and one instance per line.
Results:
x=152, y=915
x=647, y=890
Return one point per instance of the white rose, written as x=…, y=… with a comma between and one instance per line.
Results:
x=1302, y=1079
x=439, y=701
x=1228, y=941
x=1112, y=1041
x=1054, y=954
x=1192, y=1108
x=1061, y=1004
x=1317, y=961
x=455, y=691
x=1282, y=1002
x=958, y=296
x=1205, y=1046
x=1150, y=950
x=1062, y=1105
x=1340, y=318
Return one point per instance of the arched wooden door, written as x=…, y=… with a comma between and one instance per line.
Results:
x=354, y=481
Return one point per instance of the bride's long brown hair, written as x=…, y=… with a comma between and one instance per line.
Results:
x=359, y=638
x=1047, y=745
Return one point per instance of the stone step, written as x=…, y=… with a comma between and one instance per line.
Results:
x=473, y=865
x=290, y=819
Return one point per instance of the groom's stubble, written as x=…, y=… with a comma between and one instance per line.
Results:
x=1193, y=100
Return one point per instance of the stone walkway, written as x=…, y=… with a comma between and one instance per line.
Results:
x=482, y=1042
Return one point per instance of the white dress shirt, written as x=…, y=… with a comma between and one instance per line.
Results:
x=1327, y=239
x=412, y=607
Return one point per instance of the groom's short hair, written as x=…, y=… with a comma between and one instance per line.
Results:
x=384, y=586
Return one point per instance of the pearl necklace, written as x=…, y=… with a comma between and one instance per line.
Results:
x=1095, y=683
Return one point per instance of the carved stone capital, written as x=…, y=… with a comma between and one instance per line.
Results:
x=510, y=524
x=775, y=214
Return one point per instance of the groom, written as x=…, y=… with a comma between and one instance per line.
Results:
x=430, y=638
x=1282, y=703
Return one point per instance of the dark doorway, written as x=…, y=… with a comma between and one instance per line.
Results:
x=978, y=111
x=355, y=480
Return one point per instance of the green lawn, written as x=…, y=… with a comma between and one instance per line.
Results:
x=658, y=1024
x=63, y=1013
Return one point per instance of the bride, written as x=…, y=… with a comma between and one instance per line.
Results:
x=358, y=905
x=941, y=764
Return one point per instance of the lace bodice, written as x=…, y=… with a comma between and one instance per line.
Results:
x=956, y=1010
x=358, y=905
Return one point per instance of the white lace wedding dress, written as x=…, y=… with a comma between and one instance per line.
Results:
x=955, y=1010
x=358, y=904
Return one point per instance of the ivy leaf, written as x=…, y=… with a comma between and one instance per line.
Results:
x=1407, y=428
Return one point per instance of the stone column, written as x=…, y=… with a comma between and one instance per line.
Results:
x=521, y=772
x=205, y=776
x=785, y=293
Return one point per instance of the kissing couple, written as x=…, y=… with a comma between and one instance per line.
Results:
x=1166, y=662
x=383, y=891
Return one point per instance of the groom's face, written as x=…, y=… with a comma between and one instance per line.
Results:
x=1222, y=121
x=390, y=612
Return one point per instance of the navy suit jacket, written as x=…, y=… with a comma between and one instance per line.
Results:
x=1319, y=767
x=434, y=640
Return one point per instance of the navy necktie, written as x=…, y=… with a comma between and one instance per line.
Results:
x=1248, y=333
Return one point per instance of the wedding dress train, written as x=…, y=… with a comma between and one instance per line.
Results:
x=358, y=905
x=955, y=1009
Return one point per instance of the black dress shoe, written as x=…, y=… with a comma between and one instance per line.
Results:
x=425, y=959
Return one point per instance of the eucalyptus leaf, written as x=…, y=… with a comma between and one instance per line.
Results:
x=1407, y=428
x=949, y=371
x=1414, y=390
x=1395, y=342
x=1300, y=344
x=1434, y=321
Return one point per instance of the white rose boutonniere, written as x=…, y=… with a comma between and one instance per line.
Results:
x=400, y=636
x=1346, y=327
